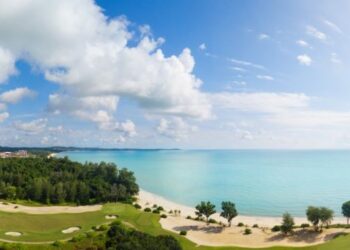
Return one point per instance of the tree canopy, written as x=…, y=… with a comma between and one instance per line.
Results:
x=287, y=223
x=206, y=209
x=229, y=211
x=59, y=180
x=346, y=210
x=319, y=215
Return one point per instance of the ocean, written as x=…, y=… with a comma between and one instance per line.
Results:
x=259, y=182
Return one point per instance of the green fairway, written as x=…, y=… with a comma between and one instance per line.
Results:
x=38, y=228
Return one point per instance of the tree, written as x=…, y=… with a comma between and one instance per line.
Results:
x=346, y=211
x=287, y=223
x=319, y=214
x=326, y=216
x=228, y=211
x=313, y=215
x=206, y=209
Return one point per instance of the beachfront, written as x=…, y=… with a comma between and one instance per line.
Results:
x=216, y=235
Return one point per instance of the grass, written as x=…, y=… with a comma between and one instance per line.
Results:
x=48, y=228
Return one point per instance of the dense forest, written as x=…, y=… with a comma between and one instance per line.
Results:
x=59, y=180
x=122, y=238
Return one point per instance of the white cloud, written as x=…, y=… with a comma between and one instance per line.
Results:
x=33, y=127
x=262, y=102
x=303, y=43
x=7, y=65
x=238, y=69
x=312, y=31
x=202, y=46
x=265, y=77
x=88, y=54
x=175, y=128
x=304, y=59
x=4, y=116
x=335, y=58
x=15, y=95
x=2, y=106
x=246, y=63
x=333, y=26
x=263, y=36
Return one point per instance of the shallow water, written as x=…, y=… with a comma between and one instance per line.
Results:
x=260, y=182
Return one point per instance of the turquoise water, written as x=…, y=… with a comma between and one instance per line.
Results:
x=260, y=182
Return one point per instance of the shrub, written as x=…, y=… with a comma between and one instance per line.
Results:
x=212, y=221
x=240, y=224
x=183, y=232
x=102, y=228
x=57, y=243
x=137, y=206
x=255, y=226
x=189, y=217
x=147, y=209
x=305, y=225
x=276, y=228
x=160, y=208
x=154, y=206
x=247, y=231
x=156, y=211
x=163, y=216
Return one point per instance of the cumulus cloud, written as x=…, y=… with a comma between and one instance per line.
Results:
x=32, y=127
x=15, y=95
x=4, y=116
x=202, y=46
x=7, y=65
x=175, y=128
x=335, y=58
x=264, y=102
x=263, y=36
x=304, y=59
x=89, y=55
x=315, y=33
x=265, y=77
x=303, y=43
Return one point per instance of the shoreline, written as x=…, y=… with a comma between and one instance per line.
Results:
x=265, y=221
x=218, y=236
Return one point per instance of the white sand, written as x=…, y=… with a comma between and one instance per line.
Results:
x=15, y=234
x=263, y=221
x=216, y=235
x=13, y=208
x=110, y=217
x=70, y=230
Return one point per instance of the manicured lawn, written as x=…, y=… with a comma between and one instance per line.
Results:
x=48, y=228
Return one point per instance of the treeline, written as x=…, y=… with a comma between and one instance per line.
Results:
x=121, y=238
x=59, y=180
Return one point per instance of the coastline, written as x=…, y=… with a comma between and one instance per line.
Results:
x=218, y=236
x=149, y=198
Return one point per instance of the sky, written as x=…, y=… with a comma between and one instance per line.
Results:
x=200, y=74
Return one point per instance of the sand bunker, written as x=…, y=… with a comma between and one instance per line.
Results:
x=111, y=217
x=15, y=234
x=70, y=230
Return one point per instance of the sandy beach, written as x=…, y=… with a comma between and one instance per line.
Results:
x=216, y=235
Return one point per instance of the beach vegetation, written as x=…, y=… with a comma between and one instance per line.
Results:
x=163, y=216
x=183, y=232
x=346, y=211
x=287, y=224
x=147, y=209
x=205, y=209
x=229, y=211
x=137, y=206
x=319, y=216
x=305, y=225
x=276, y=228
x=240, y=224
x=255, y=226
x=247, y=231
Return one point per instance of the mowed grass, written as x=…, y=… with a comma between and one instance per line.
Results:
x=48, y=228
x=40, y=228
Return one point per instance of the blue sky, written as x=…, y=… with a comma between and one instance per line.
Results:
x=187, y=74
